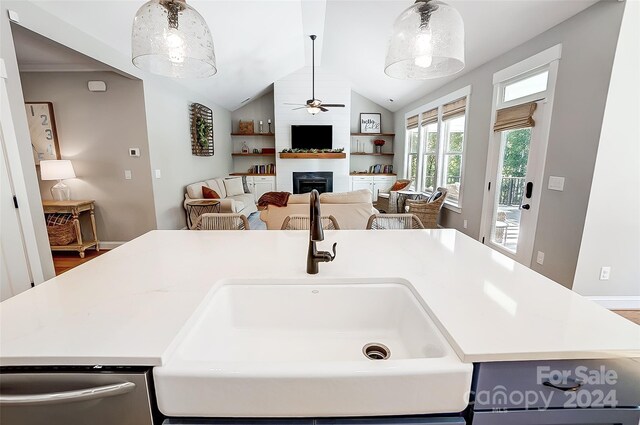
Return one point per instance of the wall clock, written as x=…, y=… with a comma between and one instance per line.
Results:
x=42, y=128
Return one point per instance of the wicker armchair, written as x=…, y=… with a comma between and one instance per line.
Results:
x=388, y=200
x=394, y=222
x=428, y=210
x=221, y=221
x=301, y=222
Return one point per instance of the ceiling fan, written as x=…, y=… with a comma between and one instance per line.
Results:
x=313, y=105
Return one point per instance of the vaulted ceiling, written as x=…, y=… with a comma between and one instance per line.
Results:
x=260, y=41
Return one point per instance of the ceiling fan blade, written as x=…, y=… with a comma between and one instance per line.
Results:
x=333, y=105
x=294, y=104
x=323, y=109
x=302, y=107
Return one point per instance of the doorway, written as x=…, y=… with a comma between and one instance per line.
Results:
x=521, y=119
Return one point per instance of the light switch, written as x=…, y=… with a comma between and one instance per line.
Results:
x=127, y=174
x=540, y=257
x=556, y=183
x=157, y=173
x=134, y=151
x=605, y=273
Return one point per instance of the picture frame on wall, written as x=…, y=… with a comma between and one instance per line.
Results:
x=42, y=130
x=370, y=123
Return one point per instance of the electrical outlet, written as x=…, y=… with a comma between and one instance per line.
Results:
x=605, y=272
x=464, y=224
x=127, y=174
x=540, y=257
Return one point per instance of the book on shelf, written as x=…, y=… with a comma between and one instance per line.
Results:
x=263, y=169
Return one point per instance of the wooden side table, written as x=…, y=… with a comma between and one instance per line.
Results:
x=198, y=207
x=75, y=208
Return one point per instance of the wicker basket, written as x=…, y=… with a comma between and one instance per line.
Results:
x=61, y=230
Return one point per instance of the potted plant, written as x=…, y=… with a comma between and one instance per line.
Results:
x=379, y=144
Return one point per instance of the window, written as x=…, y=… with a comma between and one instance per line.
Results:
x=439, y=143
x=413, y=138
x=523, y=87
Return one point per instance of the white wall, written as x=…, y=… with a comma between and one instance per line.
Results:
x=611, y=235
x=95, y=130
x=588, y=45
x=296, y=88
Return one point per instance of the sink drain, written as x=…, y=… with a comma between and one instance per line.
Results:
x=376, y=351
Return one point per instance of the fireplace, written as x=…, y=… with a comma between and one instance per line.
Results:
x=322, y=181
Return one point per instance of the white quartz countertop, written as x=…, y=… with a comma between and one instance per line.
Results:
x=126, y=307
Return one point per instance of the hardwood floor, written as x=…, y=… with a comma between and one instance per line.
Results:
x=633, y=315
x=63, y=261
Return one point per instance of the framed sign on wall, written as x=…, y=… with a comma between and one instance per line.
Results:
x=42, y=129
x=370, y=123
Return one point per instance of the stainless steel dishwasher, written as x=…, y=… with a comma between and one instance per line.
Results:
x=75, y=396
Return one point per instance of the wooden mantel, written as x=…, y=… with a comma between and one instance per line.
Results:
x=311, y=155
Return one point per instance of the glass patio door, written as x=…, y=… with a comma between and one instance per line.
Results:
x=511, y=224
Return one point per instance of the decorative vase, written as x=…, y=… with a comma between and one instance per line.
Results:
x=378, y=149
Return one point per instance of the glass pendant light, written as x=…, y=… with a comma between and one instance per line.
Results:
x=427, y=42
x=171, y=38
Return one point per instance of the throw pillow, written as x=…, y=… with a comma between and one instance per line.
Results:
x=209, y=193
x=234, y=187
x=398, y=186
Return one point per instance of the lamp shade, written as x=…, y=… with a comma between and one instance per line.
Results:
x=171, y=38
x=427, y=42
x=56, y=169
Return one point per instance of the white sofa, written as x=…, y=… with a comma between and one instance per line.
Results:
x=242, y=203
x=351, y=209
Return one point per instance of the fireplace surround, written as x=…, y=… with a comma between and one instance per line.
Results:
x=304, y=182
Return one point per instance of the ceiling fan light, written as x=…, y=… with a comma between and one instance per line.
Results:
x=171, y=38
x=427, y=42
x=313, y=110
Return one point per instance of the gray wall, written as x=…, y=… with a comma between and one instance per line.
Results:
x=95, y=131
x=167, y=106
x=360, y=104
x=611, y=234
x=588, y=45
x=261, y=108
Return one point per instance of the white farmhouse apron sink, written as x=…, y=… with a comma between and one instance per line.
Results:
x=292, y=348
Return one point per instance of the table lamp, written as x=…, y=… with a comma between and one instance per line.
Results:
x=58, y=170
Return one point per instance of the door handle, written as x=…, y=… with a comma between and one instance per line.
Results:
x=525, y=206
x=574, y=387
x=529, y=190
x=67, y=396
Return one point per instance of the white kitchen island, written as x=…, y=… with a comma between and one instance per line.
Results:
x=128, y=307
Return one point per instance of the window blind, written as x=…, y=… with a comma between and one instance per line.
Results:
x=412, y=122
x=520, y=116
x=455, y=108
x=429, y=117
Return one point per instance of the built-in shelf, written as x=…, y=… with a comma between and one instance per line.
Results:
x=373, y=174
x=374, y=134
x=372, y=153
x=310, y=155
x=252, y=154
x=253, y=134
x=253, y=174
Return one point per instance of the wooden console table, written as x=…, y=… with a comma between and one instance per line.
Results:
x=75, y=208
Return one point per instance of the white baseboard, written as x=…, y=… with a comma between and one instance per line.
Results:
x=618, y=303
x=110, y=244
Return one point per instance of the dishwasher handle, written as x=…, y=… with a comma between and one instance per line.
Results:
x=67, y=396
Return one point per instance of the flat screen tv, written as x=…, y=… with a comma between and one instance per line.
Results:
x=311, y=136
